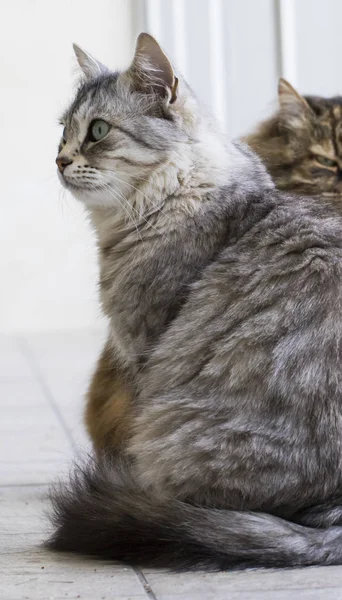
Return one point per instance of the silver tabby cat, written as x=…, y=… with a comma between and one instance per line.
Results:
x=225, y=304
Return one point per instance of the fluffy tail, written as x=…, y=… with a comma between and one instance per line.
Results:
x=103, y=512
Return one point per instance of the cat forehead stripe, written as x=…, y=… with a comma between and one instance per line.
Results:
x=89, y=91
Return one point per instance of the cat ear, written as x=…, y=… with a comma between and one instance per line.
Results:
x=91, y=67
x=152, y=70
x=289, y=97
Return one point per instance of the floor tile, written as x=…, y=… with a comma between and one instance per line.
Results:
x=20, y=394
x=69, y=395
x=43, y=380
x=319, y=594
x=33, y=444
x=12, y=362
x=71, y=352
x=29, y=571
x=209, y=585
x=34, y=472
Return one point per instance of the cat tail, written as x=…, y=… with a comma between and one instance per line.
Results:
x=103, y=512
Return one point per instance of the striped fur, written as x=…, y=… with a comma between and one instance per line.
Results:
x=305, y=131
x=224, y=299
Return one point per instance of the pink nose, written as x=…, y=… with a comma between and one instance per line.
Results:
x=62, y=162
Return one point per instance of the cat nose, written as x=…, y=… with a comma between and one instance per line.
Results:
x=62, y=162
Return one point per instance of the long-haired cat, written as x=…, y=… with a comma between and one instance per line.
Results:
x=225, y=305
x=301, y=144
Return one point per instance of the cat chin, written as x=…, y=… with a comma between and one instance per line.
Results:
x=92, y=198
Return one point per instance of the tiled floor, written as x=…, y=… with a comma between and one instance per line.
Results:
x=42, y=381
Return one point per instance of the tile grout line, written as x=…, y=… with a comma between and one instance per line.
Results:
x=37, y=373
x=39, y=377
x=146, y=585
x=21, y=485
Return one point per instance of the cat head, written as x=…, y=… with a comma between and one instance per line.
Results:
x=302, y=144
x=121, y=126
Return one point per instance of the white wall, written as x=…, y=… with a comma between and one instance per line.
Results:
x=47, y=255
x=231, y=51
x=318, y=46
x=228, y=50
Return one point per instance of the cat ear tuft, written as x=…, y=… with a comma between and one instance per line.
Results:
x=288, y=96
x=152, y=69
x=91, y=67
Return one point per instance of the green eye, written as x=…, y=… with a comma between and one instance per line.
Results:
x=98, y=130
x=326, y=162
x=64, y=134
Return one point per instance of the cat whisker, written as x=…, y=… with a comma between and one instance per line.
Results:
x=158, y=207
x=114, y=192
x=61, y=199
x=138, y=214
x=104, y=186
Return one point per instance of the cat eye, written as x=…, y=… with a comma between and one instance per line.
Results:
x=64, y=135
x=326, y=162
x=98, y=130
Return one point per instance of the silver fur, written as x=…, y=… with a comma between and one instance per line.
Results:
x=225, y=305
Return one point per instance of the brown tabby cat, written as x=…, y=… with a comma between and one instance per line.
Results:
x=301, y=144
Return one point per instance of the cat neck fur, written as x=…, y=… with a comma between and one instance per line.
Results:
x=179, y=186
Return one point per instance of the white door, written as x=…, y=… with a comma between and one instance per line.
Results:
x=233, y=51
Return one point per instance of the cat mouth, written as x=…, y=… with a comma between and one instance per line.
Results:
x=82, y=185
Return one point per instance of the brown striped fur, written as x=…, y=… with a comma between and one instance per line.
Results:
x=293, y=143
x=108, y=409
